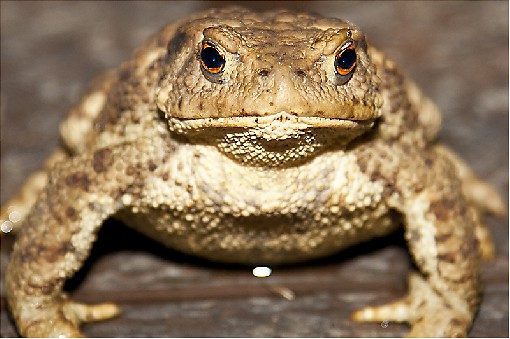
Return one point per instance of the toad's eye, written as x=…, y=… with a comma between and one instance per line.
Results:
x=345, y=59
x=212, y=58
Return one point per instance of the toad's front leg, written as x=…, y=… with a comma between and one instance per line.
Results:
x=59, y=231
x=441, y=233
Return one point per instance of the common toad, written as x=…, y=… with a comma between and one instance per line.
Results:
x=255, y=138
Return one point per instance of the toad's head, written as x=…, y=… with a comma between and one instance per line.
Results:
x=269, y=89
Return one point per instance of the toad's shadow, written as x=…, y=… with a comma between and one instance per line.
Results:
x=115, y=237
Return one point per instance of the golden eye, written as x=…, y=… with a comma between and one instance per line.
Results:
x=345, y=59
x=212, y=58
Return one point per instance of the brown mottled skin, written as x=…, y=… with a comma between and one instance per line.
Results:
x=277, y=158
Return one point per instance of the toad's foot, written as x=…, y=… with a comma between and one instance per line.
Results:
x=63, y=318
x=424, y=309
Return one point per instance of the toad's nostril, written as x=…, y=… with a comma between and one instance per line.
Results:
x=264, y=72
x=300, y=73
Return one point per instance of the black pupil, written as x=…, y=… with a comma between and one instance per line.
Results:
x=346, y=59
x=211, y=57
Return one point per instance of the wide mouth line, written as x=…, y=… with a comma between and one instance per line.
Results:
x=277, y=118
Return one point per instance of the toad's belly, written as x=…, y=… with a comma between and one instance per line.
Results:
x=263, y=239
x=213, y=207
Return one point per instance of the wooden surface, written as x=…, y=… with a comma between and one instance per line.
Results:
x=456, y=51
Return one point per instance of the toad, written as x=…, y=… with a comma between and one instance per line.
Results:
x=256, y=138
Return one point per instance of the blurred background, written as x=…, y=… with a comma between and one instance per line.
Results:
x=456, y=51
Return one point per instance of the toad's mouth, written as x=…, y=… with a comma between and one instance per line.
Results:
x=278, y=121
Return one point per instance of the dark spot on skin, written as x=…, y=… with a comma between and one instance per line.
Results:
x=463, y=209
x=165, y=176
x=442, y=208
x=448, y=306
x=49, y=287
x=468, y=247
x=71, y=213
x=135, y=85
x=78, y=180
x=125, y=74
x=355, y=100
x=362, y=164
x=178, y=41
x=443, y=237
x=394, y=106
x=135, y=189
x=418, y=187
x=179, y=103
x=110, y=117
x=38, y=251
x=429, y=159
x=200, y=107
x=64, y=248
x=152, y=166
x=55, y=212
x=271, y=103
x=130, y=170
x=26, y=255
x=447, y=257
x=102, y=160
x=406, y=148
x=375, y=176
x=456, y=323
x=390, y=188
x=459, y=280
x=412, y=121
